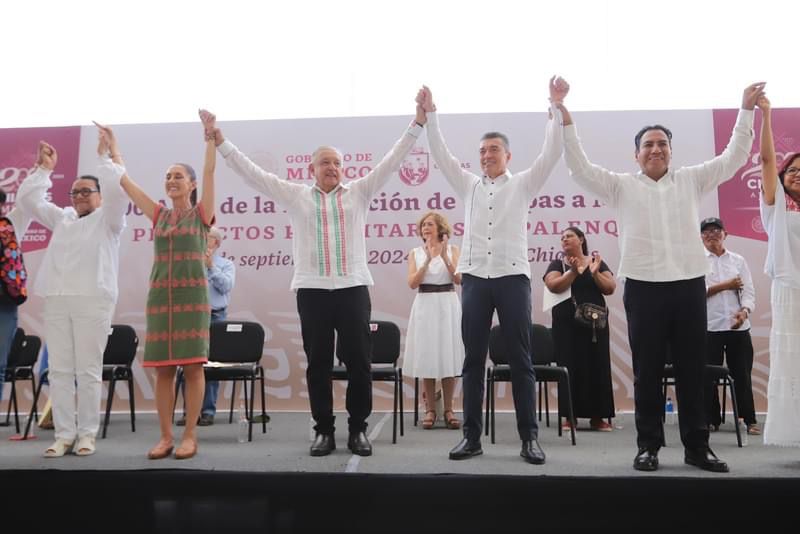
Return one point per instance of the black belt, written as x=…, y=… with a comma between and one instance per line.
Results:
x=436, y=288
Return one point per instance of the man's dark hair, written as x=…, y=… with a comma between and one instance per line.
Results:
x=497, y=135
x=92, y=178
x=646, y=129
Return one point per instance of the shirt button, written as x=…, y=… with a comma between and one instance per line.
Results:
x=490, y=224
x=490, y=253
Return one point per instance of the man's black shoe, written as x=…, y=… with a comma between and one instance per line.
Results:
x=323, y=445
x=705, y=459
x=466, y=449
x=359, y=444
x=646, y=460
x=532, y=452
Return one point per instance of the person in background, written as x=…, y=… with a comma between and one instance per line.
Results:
x=434, y=349
x=585, y=352
x=13, y=277
x=730, y=299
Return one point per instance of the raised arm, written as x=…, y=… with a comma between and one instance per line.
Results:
x=209, y=163
x=769, y=161
x=108, y=144
x=537, y=174
x=378, y=177
x=712, y=173
x=32, y=192
x=281, y=191
x=593, y=178
x=110, y=170
x=459, y=179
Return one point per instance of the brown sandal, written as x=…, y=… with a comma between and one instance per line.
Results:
x=452, y=421
x=427, y=422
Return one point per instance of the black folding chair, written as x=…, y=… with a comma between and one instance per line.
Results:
x=385, y=336
x=118, y=366
x=21, y=360
x=234, y=354
x=544, y=367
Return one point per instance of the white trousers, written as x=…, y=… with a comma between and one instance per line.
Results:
x=76, y=332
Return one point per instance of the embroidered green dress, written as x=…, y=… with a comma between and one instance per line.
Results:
x=178, y=311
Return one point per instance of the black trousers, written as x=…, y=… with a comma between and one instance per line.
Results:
x=737, y=349
x=511, y=297
x=666, y=316
x=345, y=312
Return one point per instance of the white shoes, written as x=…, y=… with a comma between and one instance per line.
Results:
x=85, y=446
x=58, y=449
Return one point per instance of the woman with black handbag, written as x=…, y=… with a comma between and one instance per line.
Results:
x=580, y=328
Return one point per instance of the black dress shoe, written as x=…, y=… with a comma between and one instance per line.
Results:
x=466, y=448
x=532, y=452
x=646, y=460
x=705, y=459
x=359, y=444
x=323, y=445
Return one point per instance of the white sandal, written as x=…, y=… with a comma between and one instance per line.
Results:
x=85, y=446
x=58, y=449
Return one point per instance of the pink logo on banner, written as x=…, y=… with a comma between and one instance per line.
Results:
x=18, y=149
x=415, y=167
x=738, y=197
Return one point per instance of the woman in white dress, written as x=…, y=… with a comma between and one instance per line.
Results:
x=434, y=349
x=780, y=214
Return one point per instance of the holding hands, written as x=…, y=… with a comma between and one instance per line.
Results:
x=211, y=132
x=558, y=90
x=107, y=143
x=47, y=156
x=752, y=94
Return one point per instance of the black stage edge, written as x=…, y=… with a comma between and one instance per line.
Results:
x=178, y=501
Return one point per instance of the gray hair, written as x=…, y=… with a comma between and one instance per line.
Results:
x=497, y=135
x=215, y=233
x=323, y=148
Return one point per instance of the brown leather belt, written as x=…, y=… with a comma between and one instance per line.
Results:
x=436, y=288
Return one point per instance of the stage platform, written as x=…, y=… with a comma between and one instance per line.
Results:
x=272, y=485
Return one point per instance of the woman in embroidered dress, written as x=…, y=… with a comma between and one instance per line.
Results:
x=586, y=356
x=178, y=310
x=434, y=348
x=780, y=215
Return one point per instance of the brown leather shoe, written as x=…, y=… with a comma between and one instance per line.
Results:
x=158, y=453
x=184, y=453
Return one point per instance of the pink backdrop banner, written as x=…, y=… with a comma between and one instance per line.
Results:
x=738, y=197
x=18, y=149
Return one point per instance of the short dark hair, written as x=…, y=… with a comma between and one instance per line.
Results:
x=578, y=232
x=646, y=129
x=192, y=177
x=497, y=135
x=92, y=178
x=2, y=197
x=786, y=164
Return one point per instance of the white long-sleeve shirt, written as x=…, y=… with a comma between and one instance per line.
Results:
x=496, y=211
x=723, y=306
x=328, y=247
x=657, y=220
x=82, y=258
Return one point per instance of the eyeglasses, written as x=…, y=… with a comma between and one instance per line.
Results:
x=712, y=231
x=792, y=171
x=85, y=192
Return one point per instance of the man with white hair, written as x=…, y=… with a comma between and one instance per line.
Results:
x=331, y=274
